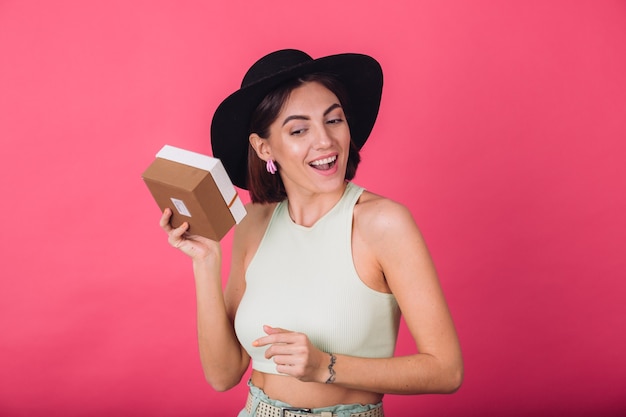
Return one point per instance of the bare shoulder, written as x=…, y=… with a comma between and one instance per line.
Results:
x=379, y=216
x=388, y=229
x=385, y=238
x=250, y=231
x=257, y=213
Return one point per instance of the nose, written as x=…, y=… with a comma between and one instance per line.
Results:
x=323, y=137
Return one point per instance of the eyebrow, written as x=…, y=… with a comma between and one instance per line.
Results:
x=300, y=117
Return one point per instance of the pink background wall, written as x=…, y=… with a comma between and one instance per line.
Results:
x=502, y=127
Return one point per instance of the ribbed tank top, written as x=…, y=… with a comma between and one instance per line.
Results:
x=303, y=279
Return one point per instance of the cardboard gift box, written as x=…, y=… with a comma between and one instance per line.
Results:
x=197, y=190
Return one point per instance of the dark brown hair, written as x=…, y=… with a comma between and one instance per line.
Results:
x=263, y=186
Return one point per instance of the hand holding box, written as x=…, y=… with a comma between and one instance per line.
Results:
x=197, y=190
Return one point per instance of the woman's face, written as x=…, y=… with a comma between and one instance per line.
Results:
x=310, y=140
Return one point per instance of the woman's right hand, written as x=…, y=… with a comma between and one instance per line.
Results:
x=199, y=248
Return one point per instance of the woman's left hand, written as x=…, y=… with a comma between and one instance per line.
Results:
x=294, y=354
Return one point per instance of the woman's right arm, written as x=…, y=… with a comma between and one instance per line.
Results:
x=223, y=359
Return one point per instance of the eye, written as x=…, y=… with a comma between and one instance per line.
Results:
x=297, y=132
x=334, y=120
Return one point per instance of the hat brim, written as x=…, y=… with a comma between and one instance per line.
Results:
x=361, y=75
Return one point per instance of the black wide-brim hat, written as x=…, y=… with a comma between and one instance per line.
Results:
x=361, y=75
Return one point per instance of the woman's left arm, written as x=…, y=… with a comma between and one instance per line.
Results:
x=403, y=257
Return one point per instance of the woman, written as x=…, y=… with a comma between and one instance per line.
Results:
x=320, y=268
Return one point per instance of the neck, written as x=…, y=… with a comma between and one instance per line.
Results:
x=306, y=209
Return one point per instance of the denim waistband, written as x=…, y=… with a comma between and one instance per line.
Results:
x=342, y=410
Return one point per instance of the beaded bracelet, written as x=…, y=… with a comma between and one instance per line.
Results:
x=331, y=378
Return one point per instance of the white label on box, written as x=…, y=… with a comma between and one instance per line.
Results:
x=180, y=206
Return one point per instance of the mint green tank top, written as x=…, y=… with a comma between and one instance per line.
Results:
x=303, y=279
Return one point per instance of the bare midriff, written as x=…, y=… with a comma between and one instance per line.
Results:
x=309, y=394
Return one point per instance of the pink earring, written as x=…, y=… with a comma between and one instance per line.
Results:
x=270, y=166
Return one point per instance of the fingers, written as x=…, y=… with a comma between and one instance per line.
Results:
x=176, y=236
x=292, y=353
x=274, y=330
x=272, y=338
x=165, y=220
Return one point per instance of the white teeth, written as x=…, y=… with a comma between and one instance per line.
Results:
x=324, y=161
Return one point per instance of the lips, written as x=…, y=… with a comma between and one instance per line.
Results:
x=325, y=163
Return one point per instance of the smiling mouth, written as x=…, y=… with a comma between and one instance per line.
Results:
x=324, y=164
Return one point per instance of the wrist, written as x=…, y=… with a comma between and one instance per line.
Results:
x=331, y=369
x=206, y=266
